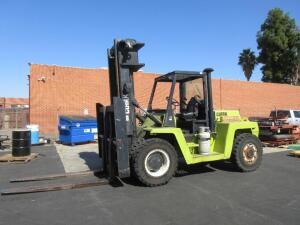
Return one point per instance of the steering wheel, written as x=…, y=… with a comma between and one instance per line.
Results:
x=174, y=102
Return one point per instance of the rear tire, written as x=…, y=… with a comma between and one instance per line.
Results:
x=155, y=162
x=247, y=152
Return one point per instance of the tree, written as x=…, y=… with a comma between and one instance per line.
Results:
x=296, y=80
x=279, y=44
x=247, y=60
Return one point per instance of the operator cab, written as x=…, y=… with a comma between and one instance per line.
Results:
x=188, y=98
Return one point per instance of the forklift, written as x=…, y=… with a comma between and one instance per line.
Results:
x=147, y=143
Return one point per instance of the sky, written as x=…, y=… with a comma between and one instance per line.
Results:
x=178, y=34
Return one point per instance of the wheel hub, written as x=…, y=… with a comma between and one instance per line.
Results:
x=250, y=153
x=157, y=163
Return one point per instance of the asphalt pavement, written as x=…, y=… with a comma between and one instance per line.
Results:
x=214, y=194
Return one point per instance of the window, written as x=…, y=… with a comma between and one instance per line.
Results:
x=161, y=94
x=17, y=106
x=297, y=114
x=281, y=113
x=194, y=88
x=14, y=106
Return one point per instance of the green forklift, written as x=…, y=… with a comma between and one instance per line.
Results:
x=147, y=143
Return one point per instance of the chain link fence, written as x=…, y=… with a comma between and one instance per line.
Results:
x=13, y=118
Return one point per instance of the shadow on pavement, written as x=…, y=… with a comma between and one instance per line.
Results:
x=183, y=170
x=92, y=160
x=225, y=166
x=133, y=181
x=186, y=170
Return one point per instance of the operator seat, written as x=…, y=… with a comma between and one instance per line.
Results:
x=195, y=109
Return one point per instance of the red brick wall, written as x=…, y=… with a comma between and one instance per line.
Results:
x=254, y=98
x=64, y=90
x=57, y=90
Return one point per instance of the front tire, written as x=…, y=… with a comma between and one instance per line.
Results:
x=155, y=162
x=247, y=152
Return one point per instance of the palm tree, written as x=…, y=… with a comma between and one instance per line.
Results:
x=247, y=60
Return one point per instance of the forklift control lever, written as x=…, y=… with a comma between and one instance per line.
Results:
x=151, y=116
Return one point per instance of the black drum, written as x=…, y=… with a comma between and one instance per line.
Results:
x=21, y=142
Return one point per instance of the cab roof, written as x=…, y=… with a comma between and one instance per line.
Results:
x=180, y=76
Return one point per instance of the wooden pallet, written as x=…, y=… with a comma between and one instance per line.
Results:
x=24, y=159
x=295, y=153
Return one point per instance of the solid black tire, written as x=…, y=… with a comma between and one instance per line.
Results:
x=237, y=155
x=140, y=154
x=137, y=144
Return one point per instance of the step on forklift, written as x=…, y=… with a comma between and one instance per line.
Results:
x=147, y=143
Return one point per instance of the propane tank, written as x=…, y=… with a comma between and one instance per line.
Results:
x=204, y=140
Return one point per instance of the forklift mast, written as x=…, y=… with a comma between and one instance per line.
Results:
x=122, y=62
x=117, y=122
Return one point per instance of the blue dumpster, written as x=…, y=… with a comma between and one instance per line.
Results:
x=77, y=129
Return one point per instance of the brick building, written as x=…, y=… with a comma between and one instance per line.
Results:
x=13, y=103
x=57, y=90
